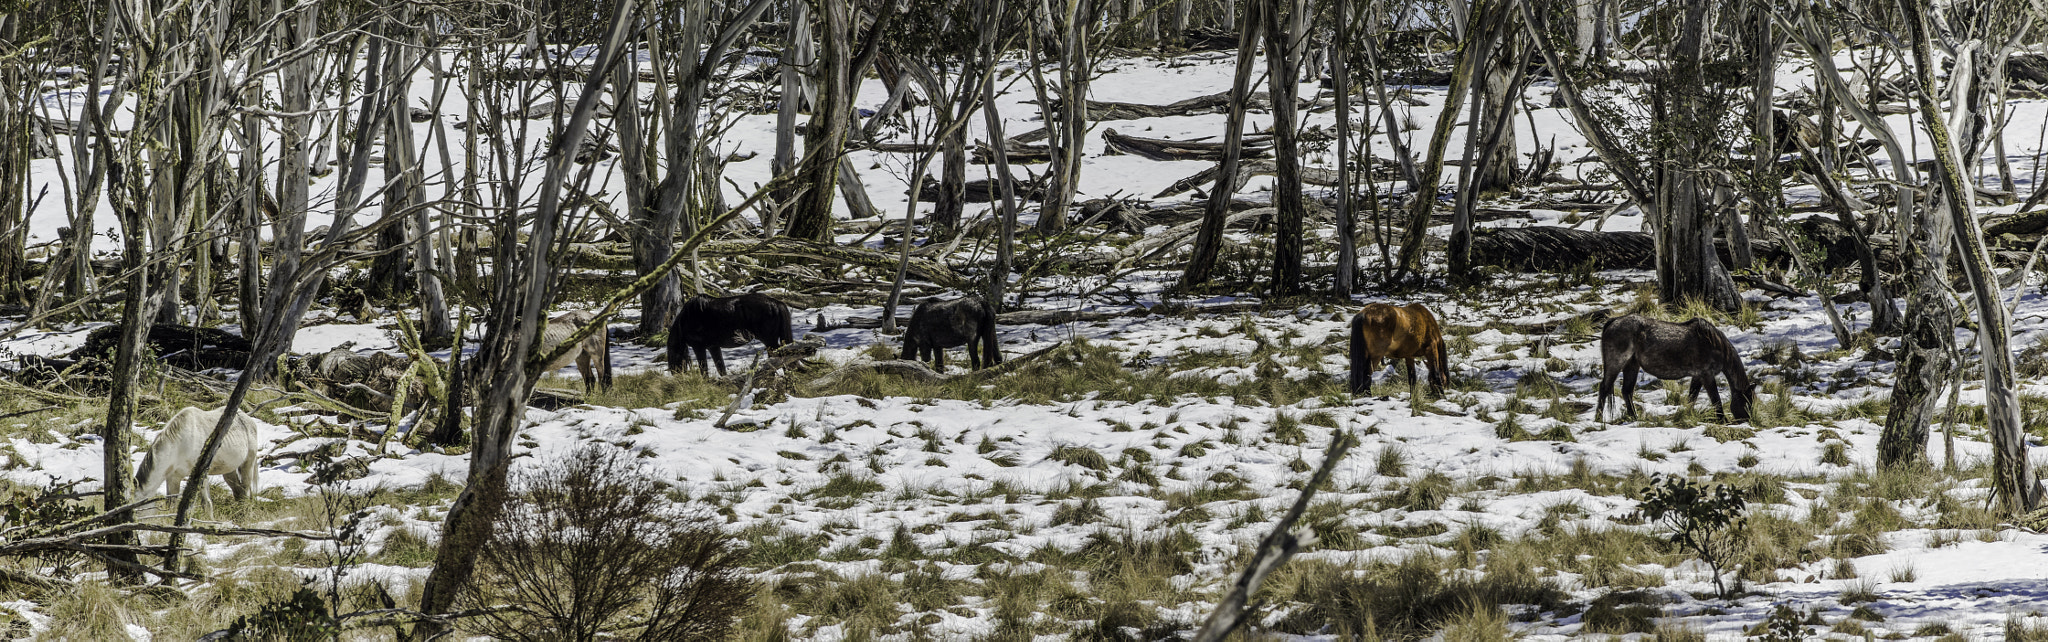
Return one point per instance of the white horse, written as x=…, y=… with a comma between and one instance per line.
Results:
x=593, y=355
x=171, y=457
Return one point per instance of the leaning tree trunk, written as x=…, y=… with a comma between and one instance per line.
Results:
x=1477, y=42
x=2012, y=474
x=1209, y=241
x=524, y=283
x=1928, y=333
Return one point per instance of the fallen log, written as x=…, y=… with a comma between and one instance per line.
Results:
x=184, y=346
x=1161, y=149
x=1549, y=249
x=1217, y=103
x=980, y=190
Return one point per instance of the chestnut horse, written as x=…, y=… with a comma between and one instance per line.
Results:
x=1694, y=349
x=1381, y=331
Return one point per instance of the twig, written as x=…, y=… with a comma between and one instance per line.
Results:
x=746, y=390
x=1273, y=550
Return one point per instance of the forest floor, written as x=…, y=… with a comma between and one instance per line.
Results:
x=1115, y=487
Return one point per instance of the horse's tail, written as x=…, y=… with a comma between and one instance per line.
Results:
x=988, y=335
x=1358, y=373
x=604, y=366
x=783, y=323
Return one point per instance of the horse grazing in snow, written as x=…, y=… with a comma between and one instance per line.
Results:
x=710, y=325
x=935, y=326
x=593, y=355
x=172, y=455
x=1666, y=350
x=1410, y=332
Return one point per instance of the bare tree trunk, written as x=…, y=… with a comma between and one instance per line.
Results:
x=1483, y=145
x=1209, y=240
x=15, y=153
x=1489, y=21
x=1070, y=137
x=250, y=239
x=1340, y=78
x=2012, y=472
x=1285, y=41
x=826, y=135
x=524, y=280
x=1927, y=340
x=1688, y=266
x=405, y=191
x=798, y=56
x=655, y=229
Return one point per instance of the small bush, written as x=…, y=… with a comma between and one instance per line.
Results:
x=1704, y=520
x=592, y=544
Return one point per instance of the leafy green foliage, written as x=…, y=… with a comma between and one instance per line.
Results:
x=1704, y=519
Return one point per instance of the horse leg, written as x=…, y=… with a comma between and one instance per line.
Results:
x=1607, y=374
x=235, y=485
x=588, y=370
x=1439, y=370
x=939, y=360
x=1361, y=381
x=703, y=360
x=974, y=353
x=1713, y=394
x=249, y=477
x=1629, y=372
x=718, y=357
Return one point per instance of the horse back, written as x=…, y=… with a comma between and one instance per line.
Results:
x=1403, y=332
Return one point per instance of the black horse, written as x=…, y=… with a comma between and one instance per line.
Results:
x=710, y=325
x=1666, y=350
x=936, y=326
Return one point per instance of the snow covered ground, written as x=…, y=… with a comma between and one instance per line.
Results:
x=998, y=473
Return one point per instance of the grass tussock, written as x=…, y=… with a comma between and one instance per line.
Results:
x=1086, y=370
x=1408, y=599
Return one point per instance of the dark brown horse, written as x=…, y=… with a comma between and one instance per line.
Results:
x=710, y=325
x=935, y=326
x=1694, y=349
x=1410, y=332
